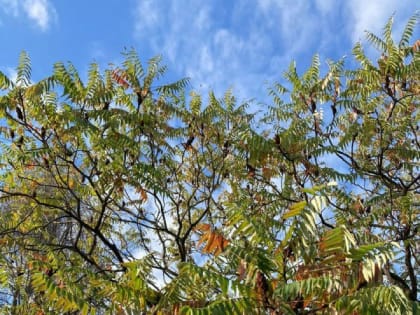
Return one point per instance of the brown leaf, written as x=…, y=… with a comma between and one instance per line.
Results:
x=242, y=269
x=261, y=286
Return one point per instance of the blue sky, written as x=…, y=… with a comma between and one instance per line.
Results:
x=244, y=45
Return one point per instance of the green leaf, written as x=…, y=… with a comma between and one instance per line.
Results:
x=295, y=210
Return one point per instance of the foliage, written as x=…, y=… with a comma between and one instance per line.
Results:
x=123, y=196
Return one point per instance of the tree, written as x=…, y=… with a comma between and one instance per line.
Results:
x=124, y=196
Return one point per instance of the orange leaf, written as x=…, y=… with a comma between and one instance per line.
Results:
x=210, y=243
x=143, y=194
x=203, y=227
x=120, y=77
x=215, y=242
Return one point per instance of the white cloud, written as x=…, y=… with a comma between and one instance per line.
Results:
x=326, y=6
x=11, y=74
x=266, y=5
x=220, y=45
x=202, y=20
x=227, y=44
x=206, y=59
x=147, y=15
x=37, y=10
x=299, y=26
x=97, y=50
x=41, y=12
x=195, y=44
x=372, y=15
x=10, y=6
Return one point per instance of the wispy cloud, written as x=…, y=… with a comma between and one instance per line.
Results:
x=10, y=7
x=326, y=6
x=38, y=11
x=372, y=15
x=97, y=50
x=221, y=45
x=11, y=73
x=41, y=12
x=207, y=42
x=147, y=15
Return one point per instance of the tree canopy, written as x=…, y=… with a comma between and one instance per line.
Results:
x=121, y=195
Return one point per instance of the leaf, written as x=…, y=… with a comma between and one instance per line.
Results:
x=120, y=76
x=333, y=240
x=295, y=210
x=214, y=242
x=143, y=194
x=318, y=202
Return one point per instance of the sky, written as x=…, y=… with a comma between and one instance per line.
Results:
x=221, y=44
x=244, y=45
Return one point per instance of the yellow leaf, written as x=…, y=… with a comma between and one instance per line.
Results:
x=294, y=210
